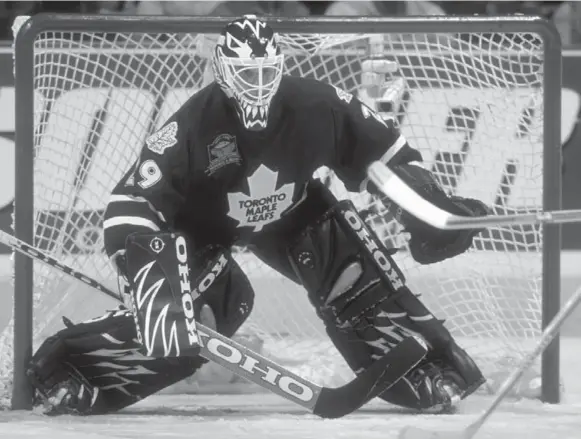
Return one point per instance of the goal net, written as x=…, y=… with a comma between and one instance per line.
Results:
x=471, y=97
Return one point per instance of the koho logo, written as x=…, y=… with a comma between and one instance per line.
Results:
x=187, y=300
x=278, y=380
x=383, y=261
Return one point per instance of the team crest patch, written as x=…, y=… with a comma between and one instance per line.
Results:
x=163, y=138
x=221, y=152
x=264, y=203
x=343, y=95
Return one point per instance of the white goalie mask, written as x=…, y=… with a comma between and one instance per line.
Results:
x=247, y=65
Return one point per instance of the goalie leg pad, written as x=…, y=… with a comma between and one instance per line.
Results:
x=360, y=294
x=97, y=367
x=170, y=291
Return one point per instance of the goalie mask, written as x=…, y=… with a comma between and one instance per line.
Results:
x=247, y=65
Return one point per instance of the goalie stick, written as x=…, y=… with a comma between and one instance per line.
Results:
x=325, y=402
x=405, y=197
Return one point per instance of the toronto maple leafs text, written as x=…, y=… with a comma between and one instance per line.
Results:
x=262, y=209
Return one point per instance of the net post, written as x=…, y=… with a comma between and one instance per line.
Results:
x=552, y=200
x=23, y=211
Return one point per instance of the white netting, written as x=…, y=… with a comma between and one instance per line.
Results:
x=471, y=103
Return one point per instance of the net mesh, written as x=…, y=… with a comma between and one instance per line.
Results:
x=471, y=103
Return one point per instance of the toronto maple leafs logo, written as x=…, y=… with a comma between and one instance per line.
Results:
x=265, y=203
x=163, y=139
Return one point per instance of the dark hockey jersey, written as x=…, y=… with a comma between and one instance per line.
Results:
x=202, y=173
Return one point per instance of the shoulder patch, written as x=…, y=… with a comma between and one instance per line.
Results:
x=342, y=94
x=221, y=152
x=163, y=138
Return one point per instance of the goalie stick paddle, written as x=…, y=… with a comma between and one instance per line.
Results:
x=325, y=402
x=470, y=431
x=408, y=199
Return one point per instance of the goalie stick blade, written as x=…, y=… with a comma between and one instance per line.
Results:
x=380, y=376
x=408, y=199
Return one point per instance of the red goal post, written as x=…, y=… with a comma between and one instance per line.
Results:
x=489, y=61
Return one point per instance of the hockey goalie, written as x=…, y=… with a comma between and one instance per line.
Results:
x=234, y=166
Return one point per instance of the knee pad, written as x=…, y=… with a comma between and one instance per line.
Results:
x=230, y=294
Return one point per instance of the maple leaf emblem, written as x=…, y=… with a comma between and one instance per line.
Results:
x=265, y=203
x=164, y=138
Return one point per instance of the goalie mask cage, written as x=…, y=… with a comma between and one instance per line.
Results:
x=479, y=97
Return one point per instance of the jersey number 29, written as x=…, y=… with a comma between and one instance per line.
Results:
x=150, y=174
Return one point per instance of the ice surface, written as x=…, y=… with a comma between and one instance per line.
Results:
x=255, y=416
x=266, y=416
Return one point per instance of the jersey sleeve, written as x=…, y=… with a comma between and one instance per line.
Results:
x=150, y=194
x=362, y=137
